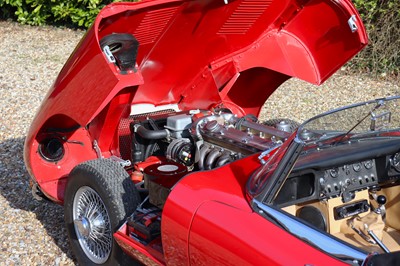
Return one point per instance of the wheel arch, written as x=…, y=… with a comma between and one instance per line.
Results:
x=63, y=132
x=59, y=145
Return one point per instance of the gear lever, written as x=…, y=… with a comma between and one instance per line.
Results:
x=371, y=226
x=381, y=200
x=380, y=210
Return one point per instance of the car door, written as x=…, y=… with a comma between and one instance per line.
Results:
x=224, y=235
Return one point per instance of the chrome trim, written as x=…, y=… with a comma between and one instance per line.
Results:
x=110, y=57
x=376, y=101
x=268, y=151
x=92, y=225
x=353, y=23
x=378, y=241
x=324, y=242
x=122, y=162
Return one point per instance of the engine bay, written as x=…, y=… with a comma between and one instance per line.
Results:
x=166, y=145
x=345, y=190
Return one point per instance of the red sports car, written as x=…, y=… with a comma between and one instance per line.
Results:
x=150, y=139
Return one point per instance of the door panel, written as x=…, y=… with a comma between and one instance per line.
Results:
x=223, y=235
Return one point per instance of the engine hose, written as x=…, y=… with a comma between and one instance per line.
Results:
x=203, y=152
x=152, y=144
x=149, y=149
x=250, y=117
x=151, y=134
x=136, y=150
x=173, y=148
x=211, y=158
x=224, y=159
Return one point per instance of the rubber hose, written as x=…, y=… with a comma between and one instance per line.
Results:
x=149, y=149
x=151, y=134
x=136, y=150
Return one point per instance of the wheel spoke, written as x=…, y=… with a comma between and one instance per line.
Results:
x=98, y=243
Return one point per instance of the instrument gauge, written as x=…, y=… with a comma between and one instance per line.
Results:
x=357, y=167
x=368, y=164
x=334, y=172
x=395, y=161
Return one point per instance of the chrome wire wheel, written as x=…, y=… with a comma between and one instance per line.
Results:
x=99, y=197
x=92, y=225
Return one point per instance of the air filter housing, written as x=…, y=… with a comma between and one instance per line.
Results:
x=160, y=178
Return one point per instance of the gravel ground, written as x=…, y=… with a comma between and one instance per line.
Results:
x=32, y=233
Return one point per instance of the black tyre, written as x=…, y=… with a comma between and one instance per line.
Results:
x=98, y=198
x=285, y=124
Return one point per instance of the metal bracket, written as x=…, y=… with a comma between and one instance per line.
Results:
x=97, y=149
x=123, y=163
x=352, y=23
x=380, y=121
x=266, y=152
x=109, y=55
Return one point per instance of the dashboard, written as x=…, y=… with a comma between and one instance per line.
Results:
x=347, y=179
x=341, y=171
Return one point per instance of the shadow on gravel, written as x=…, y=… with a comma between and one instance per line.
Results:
x=14, y=187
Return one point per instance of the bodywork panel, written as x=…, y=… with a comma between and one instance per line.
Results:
x=218, y=225
x=204, y=58
x=197, y=54
x=255, y=241
x=190, y=49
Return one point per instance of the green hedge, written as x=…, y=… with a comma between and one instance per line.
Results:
x=382, y=20
x=76, y=13
x=381, y=17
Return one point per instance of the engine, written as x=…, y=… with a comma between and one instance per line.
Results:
x=166, y=146
x=201, y=140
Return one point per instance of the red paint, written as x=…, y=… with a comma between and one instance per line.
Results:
x=198, y=55
x=200, y=47
x=224, y=235
x=217, y=225
x=225, y=184
x=149, y=254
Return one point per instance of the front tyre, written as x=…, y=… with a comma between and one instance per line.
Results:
x=98, y=198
